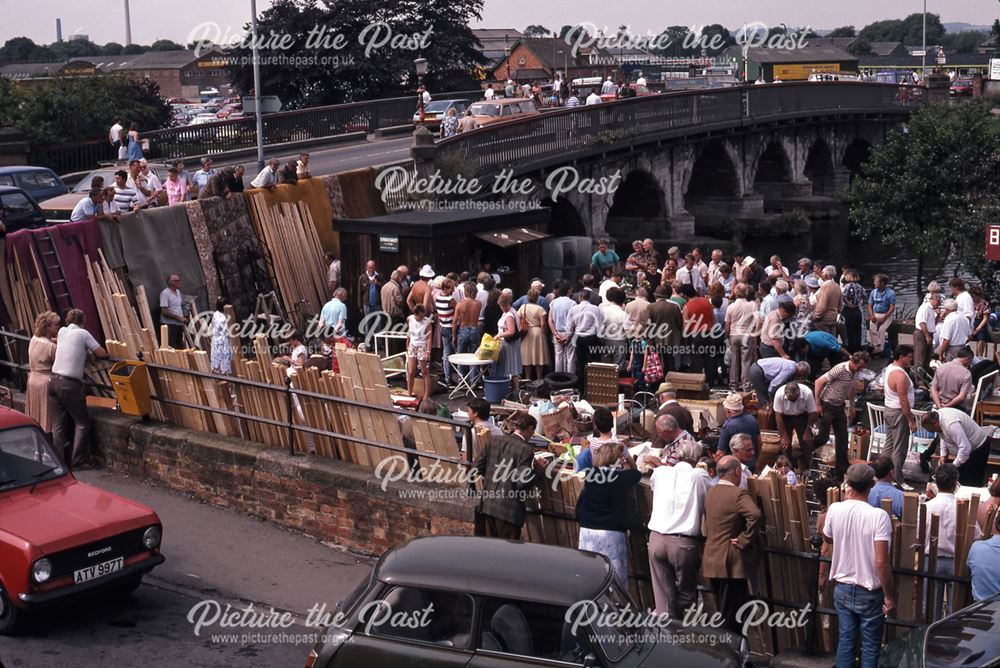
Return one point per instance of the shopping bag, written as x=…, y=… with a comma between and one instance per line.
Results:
x=652, y=368
x=489, y=348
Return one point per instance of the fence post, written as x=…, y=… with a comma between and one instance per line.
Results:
x=288, y=408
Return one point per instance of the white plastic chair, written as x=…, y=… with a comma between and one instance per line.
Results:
x=879, y=430
x=979, y=391
x=922, y=438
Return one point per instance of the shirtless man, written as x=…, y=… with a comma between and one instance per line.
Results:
x=420, y=292
x=465, y=328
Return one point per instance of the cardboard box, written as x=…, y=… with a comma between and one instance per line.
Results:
x=708, y=412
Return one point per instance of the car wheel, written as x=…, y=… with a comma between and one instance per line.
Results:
x=12, y=618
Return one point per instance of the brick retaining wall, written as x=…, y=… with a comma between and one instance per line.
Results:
x=331, y=500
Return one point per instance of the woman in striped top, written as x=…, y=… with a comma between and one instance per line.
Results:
x=444, y=308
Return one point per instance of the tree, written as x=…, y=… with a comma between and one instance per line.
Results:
x=909, y=31
x=714, y=35
x=77, y=48
x=995, y=32
x=673, y=37
x=134, y=49
x=165, y=45
x=932, y=187
x=966, y=41
x=17, y=49
x=843, y=31
x=564, y=30
x=535, y=30
x=112, y=49
x=357, y=71
x=859, y=47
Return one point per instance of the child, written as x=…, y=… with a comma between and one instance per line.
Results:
x=418, y=349
x=783, y=465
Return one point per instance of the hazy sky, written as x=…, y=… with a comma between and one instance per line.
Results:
x=103, y=20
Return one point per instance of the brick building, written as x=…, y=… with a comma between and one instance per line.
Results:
x=539, y=58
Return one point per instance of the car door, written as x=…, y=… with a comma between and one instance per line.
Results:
x=411, y=626
x=526, y=633
x=20, y=211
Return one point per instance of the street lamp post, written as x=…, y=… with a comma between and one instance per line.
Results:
x=421, y=66
x=256, y=85
x=923, y=57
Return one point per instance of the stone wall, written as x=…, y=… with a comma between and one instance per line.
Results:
x=330, y=500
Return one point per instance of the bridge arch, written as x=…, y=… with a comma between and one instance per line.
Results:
x=820, y=168
x=565, y=220
x=712, y=192
x=638, y=208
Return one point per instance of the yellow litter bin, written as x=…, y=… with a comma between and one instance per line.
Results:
x=131, y=382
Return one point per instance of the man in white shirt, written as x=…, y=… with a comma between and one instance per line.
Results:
x=714, y=268
x=152, y=180
x=675, y=529
x=863, y=592
x=137, y=182
x=125, y=198
x=944, y=506
x=201, y=178
x=641, y=81
x=795, y=412
x=615, y=324
x=954, y=331
x=88, y=207
x=583, y=324
x=925, y=337
x=593, y=98
x=966, y=307
x=268, y=177
x=559, y=310
x=608, y=88
x=67, y=396
x=488, y=94
x=960, y=436
x=689, y=274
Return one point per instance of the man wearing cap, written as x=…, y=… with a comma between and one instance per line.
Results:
x=267, y=177
x=421, y=292
x=954, y=331
x=835, y=392
x=738, y=421
x=863, y=591
x=670, y=406
x=754, y=274
x=604, y=259
x=795, y=412
x=674, y=253
x=666, y=325
x=829, y=302
x=201, y=178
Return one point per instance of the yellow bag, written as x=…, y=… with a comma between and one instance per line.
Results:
x=489, y=348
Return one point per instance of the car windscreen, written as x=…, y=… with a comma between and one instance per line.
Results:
x=436, y=106
x=485, y=109
x=16, y=203
x=615, y=639
x=26, y=457
x=83, y=186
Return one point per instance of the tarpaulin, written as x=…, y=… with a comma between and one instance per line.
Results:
x=312, y=191
x=237, y=252
x=72, y=242
x=203, y=242
x=155, y=243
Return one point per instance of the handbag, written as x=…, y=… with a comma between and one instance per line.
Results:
x=652, y=367
x=518, y=331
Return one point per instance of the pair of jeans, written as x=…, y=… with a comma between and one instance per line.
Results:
x=468, y=342
x=859, y=611
x=446, y=350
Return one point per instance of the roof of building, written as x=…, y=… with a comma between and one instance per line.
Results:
x=953, y=60
x=493, y=567
x=555, y=54
x=839, y=42
x=28, y=70
x=151, y=60
x=888, y=48
x=806, y=54
x=496, y=41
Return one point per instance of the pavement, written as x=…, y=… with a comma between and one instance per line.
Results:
x=211, y=555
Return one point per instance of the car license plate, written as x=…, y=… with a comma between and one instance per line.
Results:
x=98, y=570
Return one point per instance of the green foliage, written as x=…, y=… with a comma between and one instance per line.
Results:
x=77, y=48
x=860, y=47
x=966, y=41
x=536, y=30
x=112, y=49
x=792, y=223
x=165, y=45
x=843, y=31
x=909, y=31
x=452, y=52
x=931, y=188
x=70, y=110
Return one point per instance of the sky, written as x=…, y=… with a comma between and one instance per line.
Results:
x=103, y=20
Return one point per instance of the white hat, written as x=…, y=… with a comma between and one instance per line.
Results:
x=748, y=260
x=426, y=271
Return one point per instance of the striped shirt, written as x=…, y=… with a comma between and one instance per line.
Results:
x=445, y=309
x=839, y=385
x=126, y=198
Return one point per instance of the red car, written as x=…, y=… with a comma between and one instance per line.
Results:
x=61, y=538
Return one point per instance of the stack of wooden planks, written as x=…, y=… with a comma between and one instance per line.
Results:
x=28, y=292
x=293, y=255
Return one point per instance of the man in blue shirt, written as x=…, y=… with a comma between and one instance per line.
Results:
x=817, y=346
x=768, y=374
x=984, y=565
x=738, y=422
x=604, y=259
x=536, y=284
x=334, y=313
x=881, y=308
x=88, y=207
x=884, y=489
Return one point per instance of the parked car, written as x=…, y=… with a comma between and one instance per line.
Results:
x=640, y=91
x=965, y=638
x=960, y=88
x=20, y=210
x=39, y=182
x=435, y=110
x=496, y=111
x=59, y=209
x=488, y=602
x=61, y=538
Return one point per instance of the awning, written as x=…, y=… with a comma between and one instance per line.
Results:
x=511, y=237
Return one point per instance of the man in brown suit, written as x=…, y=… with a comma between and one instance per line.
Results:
x=732, y=520
x=829, y=302
x=670, y=406
x=506, y=466
x=666, y=325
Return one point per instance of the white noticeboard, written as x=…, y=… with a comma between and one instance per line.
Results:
x=995, y=69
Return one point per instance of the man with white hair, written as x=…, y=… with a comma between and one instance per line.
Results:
x=714, y=272
x=669, y=437
x=536, y=284
x=268, y=177
x=829, y=302
x=675, y=528
x=925, y=338
x=741, y=446
x=954, y=331
x=795, y=413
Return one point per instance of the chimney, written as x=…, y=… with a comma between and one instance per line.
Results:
x=128, y=26
x=59, y=30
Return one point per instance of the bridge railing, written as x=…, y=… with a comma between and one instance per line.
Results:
x=525, y=144
x=241, y=133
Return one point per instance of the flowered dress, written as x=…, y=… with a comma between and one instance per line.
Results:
x=449, y=126
x=222, y=349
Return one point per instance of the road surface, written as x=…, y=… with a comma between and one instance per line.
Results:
x=341, y=158
x=212, y=555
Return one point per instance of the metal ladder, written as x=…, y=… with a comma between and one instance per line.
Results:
x=54, y=279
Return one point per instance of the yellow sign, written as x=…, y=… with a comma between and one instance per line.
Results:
x=214, y=63
x=796, y=72
x=75, y=71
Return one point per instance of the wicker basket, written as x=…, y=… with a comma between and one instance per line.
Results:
x=770, y=448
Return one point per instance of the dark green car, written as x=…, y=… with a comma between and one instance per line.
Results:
x=485, y=603
x=967, y=638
